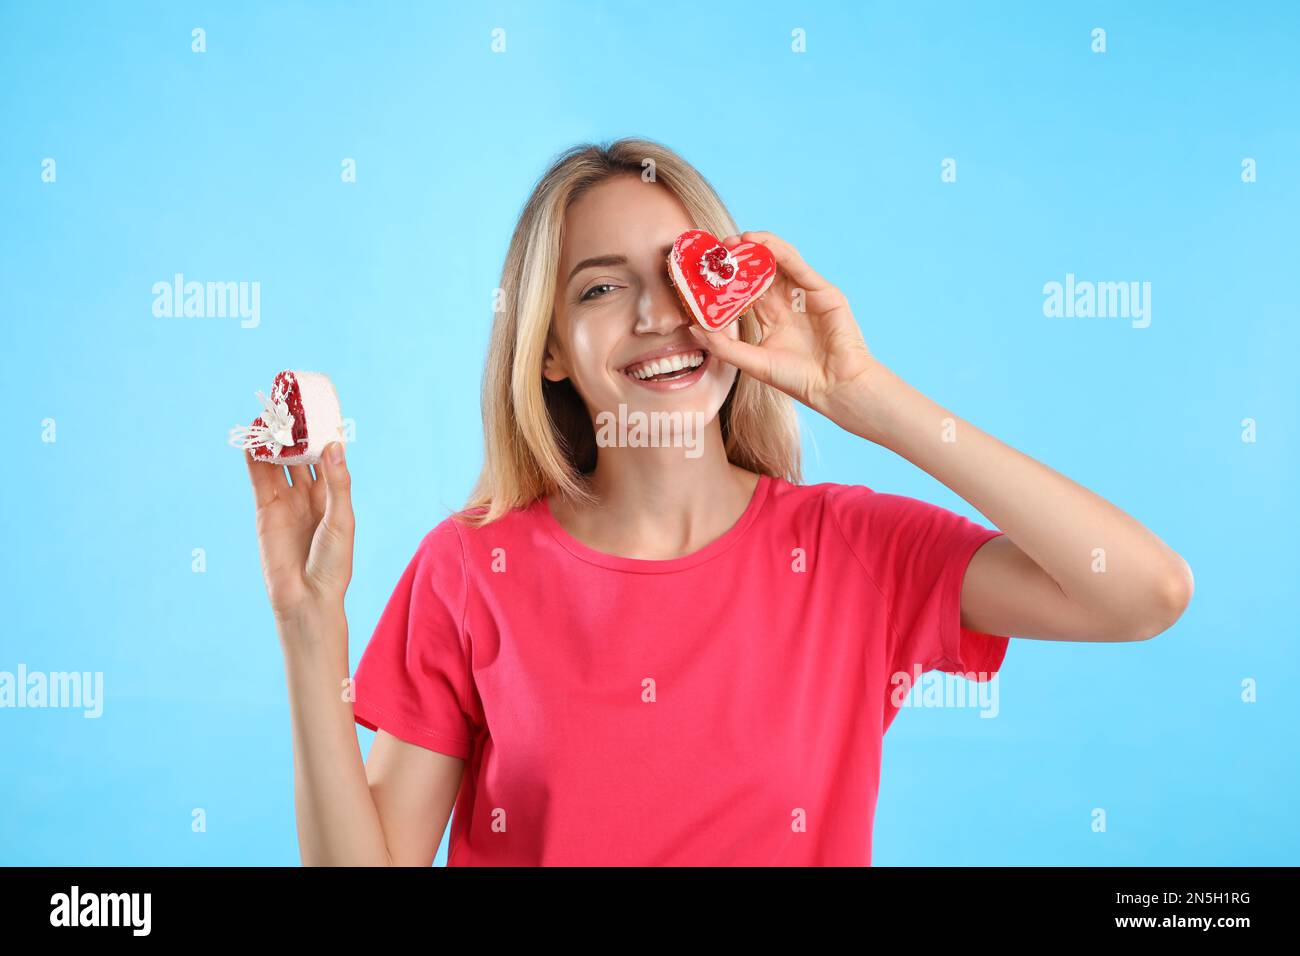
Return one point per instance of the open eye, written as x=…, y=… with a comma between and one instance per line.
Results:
x=586, y=296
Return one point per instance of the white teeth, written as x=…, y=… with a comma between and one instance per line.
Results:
x=671, y=363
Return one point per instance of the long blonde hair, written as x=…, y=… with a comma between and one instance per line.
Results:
x=538, y=436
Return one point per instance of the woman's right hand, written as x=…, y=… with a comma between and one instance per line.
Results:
x=305, y=532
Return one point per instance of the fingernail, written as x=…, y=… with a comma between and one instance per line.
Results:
x=336, y=453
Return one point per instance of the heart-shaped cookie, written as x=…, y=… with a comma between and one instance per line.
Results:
x=300, y=418
x=717, y=284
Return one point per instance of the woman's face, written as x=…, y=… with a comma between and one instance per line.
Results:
x=616, y=310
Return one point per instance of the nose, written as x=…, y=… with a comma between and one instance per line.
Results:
x=659, y=310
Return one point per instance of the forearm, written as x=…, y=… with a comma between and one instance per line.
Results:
x=338, y=822
x=1058, y=523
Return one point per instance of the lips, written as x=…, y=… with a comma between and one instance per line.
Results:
x=665, y=361
x=717, y=284
x=661, y=363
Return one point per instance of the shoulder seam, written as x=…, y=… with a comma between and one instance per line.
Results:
x=464, y=613
x=889, y=604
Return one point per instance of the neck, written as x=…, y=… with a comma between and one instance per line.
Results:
x=658, y=503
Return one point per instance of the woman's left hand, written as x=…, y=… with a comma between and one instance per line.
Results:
x=815, y=354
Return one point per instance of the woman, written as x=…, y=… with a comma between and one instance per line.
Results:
x=669, y=653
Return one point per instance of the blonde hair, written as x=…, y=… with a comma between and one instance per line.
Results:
x=538, y=436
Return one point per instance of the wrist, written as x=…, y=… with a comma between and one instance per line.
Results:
x=862, y=406
x=314, y=622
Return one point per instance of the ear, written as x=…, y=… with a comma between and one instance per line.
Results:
x=554, y=368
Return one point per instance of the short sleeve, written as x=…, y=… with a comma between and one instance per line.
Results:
x=917, y=554
x=414, y=678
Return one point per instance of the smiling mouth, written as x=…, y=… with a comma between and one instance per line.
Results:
x=668, y=368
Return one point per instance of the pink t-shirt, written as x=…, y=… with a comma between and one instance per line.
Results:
x=722, y=708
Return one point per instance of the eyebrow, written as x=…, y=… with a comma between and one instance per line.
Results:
x=613, y=259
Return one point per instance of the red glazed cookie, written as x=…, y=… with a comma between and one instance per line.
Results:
x=717, y=284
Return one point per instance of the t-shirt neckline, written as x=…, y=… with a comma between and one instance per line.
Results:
x=542, y=509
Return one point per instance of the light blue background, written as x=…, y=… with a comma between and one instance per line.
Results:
x=225, y=166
